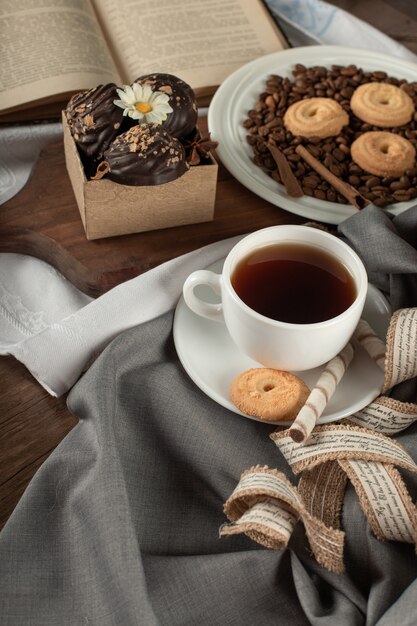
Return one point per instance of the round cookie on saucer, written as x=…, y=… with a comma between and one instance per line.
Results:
x=269, y=394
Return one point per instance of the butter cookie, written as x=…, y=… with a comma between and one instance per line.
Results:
x=315, y=117
x=382, y=104
x=269, y=394
x=383, y=153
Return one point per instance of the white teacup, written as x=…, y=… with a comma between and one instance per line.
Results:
x=271, y=342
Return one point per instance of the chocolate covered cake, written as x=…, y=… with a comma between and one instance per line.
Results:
x=183, y=118
x=94, y=120
x=146, y=154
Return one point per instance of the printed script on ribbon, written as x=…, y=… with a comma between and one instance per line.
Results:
x=266, y=506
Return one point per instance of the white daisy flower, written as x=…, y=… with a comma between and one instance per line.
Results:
x=141, y=103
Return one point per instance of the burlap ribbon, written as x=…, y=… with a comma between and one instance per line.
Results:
x=358, y=450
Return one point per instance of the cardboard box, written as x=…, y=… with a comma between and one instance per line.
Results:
x=108, y=209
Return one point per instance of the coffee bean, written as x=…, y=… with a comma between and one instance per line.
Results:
x=315, y=141
x=401, y=195
x=311, y=180
x=270, y=102
x=341, y=139
x=347, y=92
x=336, y=170
x=381, y=202
x=372, y=182
x=299, y=90
x=340, y=82
x=344, y=149
x=338, y=154
x=323, y=186
x=403, y=183
x=354, y=180
x=265, y=123
x=410, y=134
x=314, y=150
x=269, y=163
x=348, y=71
x=254, y=115
x=283, y=100
x=273, y=122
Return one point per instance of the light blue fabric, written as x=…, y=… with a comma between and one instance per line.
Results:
x=313, y=15
x=307, y=22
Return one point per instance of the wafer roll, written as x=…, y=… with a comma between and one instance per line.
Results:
x=374, y=346
x=320, y=395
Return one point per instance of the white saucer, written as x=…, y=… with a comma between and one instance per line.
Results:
x=239, y=92
x=212, y=360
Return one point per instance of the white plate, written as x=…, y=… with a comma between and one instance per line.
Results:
x=239, y=93
x=212, y=360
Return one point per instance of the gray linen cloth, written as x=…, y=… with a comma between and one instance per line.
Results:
x=120, y=524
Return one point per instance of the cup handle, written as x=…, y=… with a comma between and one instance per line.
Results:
x=205, y=309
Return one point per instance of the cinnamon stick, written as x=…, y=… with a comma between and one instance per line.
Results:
x=351, y=194
x=291, y=184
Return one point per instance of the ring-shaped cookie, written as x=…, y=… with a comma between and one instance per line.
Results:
x=315, y=117
x=269, y=394
x=383, y=153
x=382, y=104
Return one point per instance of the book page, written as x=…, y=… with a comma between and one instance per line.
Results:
x=201, y=42
x=50, y=47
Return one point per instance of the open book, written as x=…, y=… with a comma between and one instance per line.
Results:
x=54, y=48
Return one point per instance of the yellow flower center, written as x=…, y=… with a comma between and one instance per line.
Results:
x=143, y=107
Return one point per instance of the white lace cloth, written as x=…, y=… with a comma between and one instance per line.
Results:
x=48, y=324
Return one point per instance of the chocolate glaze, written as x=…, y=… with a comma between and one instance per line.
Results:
x=144, y=155
x=182, y=121
x=94, y=120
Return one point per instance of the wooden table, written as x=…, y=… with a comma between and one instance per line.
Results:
x=32, y=423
